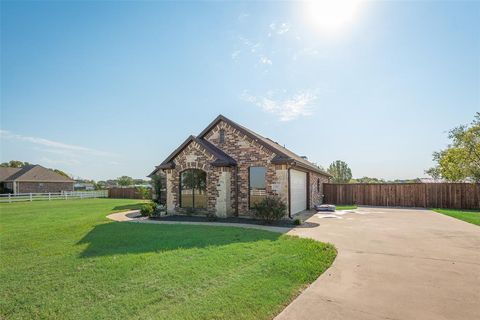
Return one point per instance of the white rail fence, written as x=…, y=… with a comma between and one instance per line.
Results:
x=66, y=195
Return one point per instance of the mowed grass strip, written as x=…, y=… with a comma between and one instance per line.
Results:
x=470, y=216
x=65, y=260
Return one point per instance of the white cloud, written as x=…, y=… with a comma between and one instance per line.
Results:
x=300, y=104
x=53, y=146
x=265, y=60
x=280, y=28
x=61, y=162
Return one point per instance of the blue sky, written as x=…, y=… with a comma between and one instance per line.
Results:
x=103, y=89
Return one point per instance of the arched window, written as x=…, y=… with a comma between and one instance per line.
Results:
x=222, y=136
x=193, y=189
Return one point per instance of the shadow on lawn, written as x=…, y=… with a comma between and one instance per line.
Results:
x=134, y=206
x=127, y=238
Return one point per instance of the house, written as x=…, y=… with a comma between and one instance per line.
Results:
x=228, y=168
x=33, y=179
x=81, y=185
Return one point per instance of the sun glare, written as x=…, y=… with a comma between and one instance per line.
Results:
x=331, y=15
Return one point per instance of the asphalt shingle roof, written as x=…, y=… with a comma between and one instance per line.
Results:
x=34, y=173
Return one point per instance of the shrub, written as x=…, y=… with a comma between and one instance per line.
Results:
x=297, y=222
x=148, y=209
x=144, y=192
x=270, y=209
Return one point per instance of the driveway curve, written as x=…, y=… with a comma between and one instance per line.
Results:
x=393, y=264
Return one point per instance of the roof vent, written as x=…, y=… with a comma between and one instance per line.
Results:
x=304, y=157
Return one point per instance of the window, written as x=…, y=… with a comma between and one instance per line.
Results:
x=193, y=189
x=318, y=185
x=222, y=136
x=257, y=185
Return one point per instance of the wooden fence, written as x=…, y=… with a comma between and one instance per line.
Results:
x=127, y=193
x=426, y=195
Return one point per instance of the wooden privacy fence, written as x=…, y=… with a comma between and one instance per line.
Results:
x=426, y=195
x=127, y=193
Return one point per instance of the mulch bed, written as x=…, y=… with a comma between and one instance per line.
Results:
x=281, y=223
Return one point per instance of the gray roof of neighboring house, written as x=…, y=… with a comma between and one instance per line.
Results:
x=6, y=172
x=32, y=173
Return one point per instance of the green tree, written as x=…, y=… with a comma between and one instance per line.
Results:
x=157, y=185
x=100, y=185
x=61, y=172
x=125, y=181
x=367, y=180
x=340, y=171
x=14, y=164
x=144, y=192
x=461, y=159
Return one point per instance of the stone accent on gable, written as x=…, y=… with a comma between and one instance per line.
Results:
x=248, y=153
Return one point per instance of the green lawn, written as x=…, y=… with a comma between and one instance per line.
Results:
x=352, y=207
x=65, y=260
x=471, y=216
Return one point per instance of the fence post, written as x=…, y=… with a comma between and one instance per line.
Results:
x=49, y=196
x=65, y=196
x=9, y=198
x=30, y=196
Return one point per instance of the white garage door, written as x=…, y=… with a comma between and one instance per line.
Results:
x=298, y=191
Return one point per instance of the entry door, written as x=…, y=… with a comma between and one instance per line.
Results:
x=298, y=191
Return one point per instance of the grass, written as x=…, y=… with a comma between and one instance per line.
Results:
x=471, y=216
x=352, y=207
x=65, y=260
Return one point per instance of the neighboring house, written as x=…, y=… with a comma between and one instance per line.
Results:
x=33, y=179
x=81, y=186
x=228, y=168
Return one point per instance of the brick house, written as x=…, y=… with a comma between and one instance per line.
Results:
x=227, y=168
x=33, y=179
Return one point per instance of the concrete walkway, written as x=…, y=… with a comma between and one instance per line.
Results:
x=393, y=264
x=124, y=216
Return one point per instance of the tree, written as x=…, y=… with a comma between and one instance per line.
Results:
x=157, y=185
x=367, y=180
x=100, y=185
x=125, y=181
x=461, y=159
x=61, y=172
x=14, y=164
x=340, y=171
x=144, y=192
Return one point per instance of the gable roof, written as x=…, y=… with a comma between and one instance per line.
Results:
x=6, y=172
x=283, y=155
x=34, y=173
x=221, y=158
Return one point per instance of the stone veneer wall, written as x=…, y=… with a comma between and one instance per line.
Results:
x=316, y=195
x=218, y=181
x=43, y=187
x=248, y=153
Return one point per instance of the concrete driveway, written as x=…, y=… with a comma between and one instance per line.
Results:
x=394, y=264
